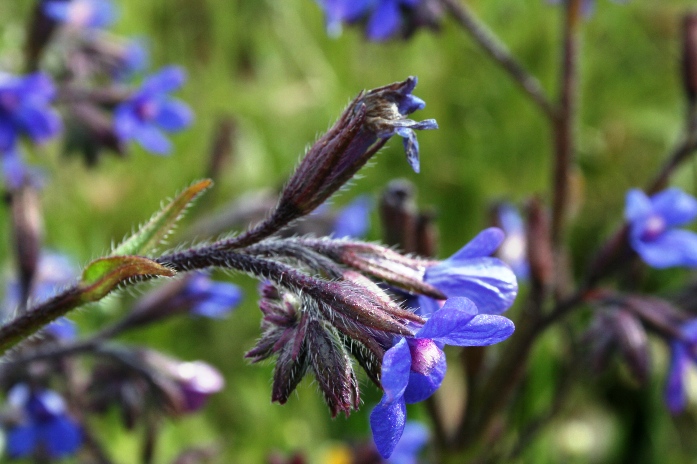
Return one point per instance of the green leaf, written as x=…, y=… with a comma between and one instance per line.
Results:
x=103, y=275
x=156, y=229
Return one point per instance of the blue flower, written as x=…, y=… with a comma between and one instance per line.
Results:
x=150, y=109
x=513, y=250
x=682, y=353
x=89, y=14
x=385, y=16
x=24, y=109
x=45, y=424
x=209, y=298
x=472, y=273
x=414, y=438
x=413, y=369
x=354, y=219
x=652, y=223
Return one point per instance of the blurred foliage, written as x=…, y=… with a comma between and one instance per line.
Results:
x=271, y=66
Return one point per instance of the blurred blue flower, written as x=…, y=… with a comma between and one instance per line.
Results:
x=24, y=109
x=209, y=298
x=134, y=59
x=413, y=369
x=652, y=232
x=682, y=353
x=53, y=273
x=472, y=273
x=385, y=16
x=513, y=250
x=150, y=109
x=197, y=381
x=353, y=220
x=414, y=438
x=89, y=14
x=45, y=425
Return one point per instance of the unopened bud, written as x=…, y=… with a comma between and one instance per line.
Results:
x=399, y=215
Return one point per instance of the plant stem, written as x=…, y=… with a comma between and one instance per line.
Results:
x=500, y=54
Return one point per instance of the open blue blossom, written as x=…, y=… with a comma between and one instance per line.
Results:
x=513, y=250
x=472, y=273
x=413, y=369
x=682, y=352
x=353, y=220
x=652, y=232
x=87, y=14
x=44, y=427
x=151, y=110
x=343, y=11
x=24, y=109
x=209, y=298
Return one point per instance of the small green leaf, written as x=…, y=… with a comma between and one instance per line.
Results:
x=103, y=275
x=156, y=229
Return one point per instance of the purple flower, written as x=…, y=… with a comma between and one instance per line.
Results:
x=45, y=425
x=197, y=381
x=386, y=18
x=24, y=109
x=414, y=438
x=209, y=298
x=652, y=232
x=682, y=353
x=413, y=369
x=88, y=14
x=343, y=11
x=150, y=109
x=472, y=273
x=354, y=219
x=513, y=250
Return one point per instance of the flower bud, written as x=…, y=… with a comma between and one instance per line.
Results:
x=399, y=215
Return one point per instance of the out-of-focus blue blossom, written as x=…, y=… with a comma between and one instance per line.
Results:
x=652, y=227
x=353, y=220
x=413, y=369
x=385, y=17
x=414, y=438
x=587, y=6
x=513, y=250
x=151, y=110
x=209, y=298
x=44, y=426
x=24, y=109
x=682, y=353
x=86, y=14
x=134, y=58
x=472, y=273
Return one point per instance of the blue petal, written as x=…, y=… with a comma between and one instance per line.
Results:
x=61, y=436
x=672, y=248
x=413, y=439
x=153, y=140
x=21, y=440
x=126, y=123
x=427, y=306
x=411, y=148
x=387, y=422
x=14, y=170
x=40, y=123
x=396, y=365
x=423, y=386
x=637, y=205
x=488, y=282
x=8, y=135
x=483, y=330
x=675, y=396
x=675, y=206
x=174, y=115
x=689, y=330
x=384, y=21
x=484, y=244
x=166, y=80
x=452, y=316
x=57, y=10
x=354, y=220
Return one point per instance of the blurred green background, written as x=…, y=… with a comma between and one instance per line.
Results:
x=271, y=66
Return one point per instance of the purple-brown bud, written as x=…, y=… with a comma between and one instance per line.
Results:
x=399, y=215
